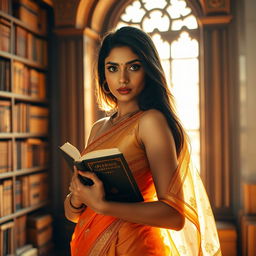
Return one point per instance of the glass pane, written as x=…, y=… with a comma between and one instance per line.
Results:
x=178, y=8
x=189, y=22
x=133, y=13
x=185, y=89
x=163, y=47
x=184, y=47
x=167, y=70
x=159, y=4
x=185, y=71
x=155, y=20
x=164, y=50
x=177, y=25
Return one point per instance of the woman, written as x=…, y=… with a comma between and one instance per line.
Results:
x=175, y=217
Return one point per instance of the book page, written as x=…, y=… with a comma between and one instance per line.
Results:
x=71, y=151
x=100, y=153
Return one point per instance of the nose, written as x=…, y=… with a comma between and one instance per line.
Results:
x=123, y=79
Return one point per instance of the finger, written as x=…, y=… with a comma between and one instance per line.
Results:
x=74, y=176
x=75, y=170
x=91, y=176
x=75, y=188
x=75, y=183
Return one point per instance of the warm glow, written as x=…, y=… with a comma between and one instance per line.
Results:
x=185, y=88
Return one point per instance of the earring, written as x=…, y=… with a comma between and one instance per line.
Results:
x=105, y=87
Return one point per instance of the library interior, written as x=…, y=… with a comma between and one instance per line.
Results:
x=48, y=52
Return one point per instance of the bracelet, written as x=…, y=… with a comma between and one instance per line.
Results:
x=77, y=208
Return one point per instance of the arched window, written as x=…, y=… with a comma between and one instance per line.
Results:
x=174, y=30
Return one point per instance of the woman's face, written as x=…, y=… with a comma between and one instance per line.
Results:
x=124, y=74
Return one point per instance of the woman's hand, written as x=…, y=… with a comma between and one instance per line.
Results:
x=92, y=196
x=73, y=188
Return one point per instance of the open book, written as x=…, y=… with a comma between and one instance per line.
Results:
x=111, y=168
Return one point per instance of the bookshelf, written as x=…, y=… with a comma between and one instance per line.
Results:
x=24, y=115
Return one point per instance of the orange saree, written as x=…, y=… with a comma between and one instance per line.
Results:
x=98, y=235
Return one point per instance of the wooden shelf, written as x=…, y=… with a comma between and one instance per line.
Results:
x=21, y=135
x=11, y=95
x=21, y=24
x=28, y=62
x=23, y=211
x=22, y=172
x=4, y=94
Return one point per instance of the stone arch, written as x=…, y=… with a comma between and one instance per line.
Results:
x=96, y=14
x=100, y=15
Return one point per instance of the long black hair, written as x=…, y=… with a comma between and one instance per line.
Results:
x=155, y=94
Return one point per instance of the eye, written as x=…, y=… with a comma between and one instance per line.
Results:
x=135, y=67
x=112, y=68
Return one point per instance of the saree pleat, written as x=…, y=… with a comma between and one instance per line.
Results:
x=100, y=235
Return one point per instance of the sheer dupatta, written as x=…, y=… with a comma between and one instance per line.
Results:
x=187, y=194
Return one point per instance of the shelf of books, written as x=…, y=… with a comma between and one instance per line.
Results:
x=24, y=114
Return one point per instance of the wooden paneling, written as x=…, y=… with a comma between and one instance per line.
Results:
x=71, y=93
x=215, y=117
x=219, y=6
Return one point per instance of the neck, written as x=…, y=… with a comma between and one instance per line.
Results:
x=123, y=113
x=126, y=110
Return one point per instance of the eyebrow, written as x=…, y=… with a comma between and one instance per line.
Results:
x=129, y=62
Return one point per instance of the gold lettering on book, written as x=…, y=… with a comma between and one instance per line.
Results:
x=103, y=166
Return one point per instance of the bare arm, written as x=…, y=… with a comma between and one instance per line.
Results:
x=162, y=157
x=156, y=214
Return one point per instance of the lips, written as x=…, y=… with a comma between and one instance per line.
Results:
x=124, y=90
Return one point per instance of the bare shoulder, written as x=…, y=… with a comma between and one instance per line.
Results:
x=154, y=128
x=152, y=117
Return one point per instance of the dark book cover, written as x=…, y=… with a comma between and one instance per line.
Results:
x=114, y=172
x=116, y=176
